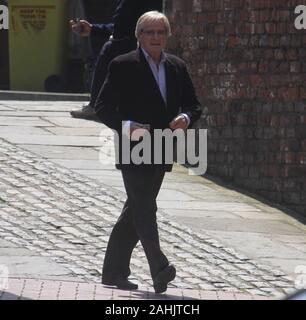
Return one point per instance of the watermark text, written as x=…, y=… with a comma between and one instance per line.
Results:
x=300, y=280
x=157, y=147
x=300, y=20
x=4, y=277
x=4, y=17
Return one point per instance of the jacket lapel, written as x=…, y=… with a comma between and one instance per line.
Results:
x=170, y=82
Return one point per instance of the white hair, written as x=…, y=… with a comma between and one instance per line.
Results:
x=152, y=16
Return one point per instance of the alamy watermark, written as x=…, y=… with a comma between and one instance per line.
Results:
x=4, y=17
x=158, y=147
x=300, y=280
x=4, y=277
x=300, y=20
x=299, y=23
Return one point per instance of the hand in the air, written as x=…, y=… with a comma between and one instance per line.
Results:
x=81, y=27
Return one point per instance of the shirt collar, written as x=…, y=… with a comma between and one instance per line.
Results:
x=148, y=57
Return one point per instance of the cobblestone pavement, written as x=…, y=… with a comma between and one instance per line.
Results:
x=34, y=289
x=68, y=217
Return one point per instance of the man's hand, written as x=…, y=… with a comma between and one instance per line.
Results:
x=180, y=122
x=81, y=27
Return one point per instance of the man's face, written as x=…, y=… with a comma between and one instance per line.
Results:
x=153, y=37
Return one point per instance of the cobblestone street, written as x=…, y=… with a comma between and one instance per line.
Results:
x=59, y=213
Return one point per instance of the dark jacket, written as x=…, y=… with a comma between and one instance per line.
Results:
x=130, y=92
x=126, y=14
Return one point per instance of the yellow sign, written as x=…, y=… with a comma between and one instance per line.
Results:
x=31, y=17
x=4, y=17
x=37, y=43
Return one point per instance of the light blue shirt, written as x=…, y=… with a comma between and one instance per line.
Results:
x=159, y=73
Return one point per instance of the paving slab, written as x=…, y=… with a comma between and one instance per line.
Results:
x=170, y=195
x=9, y=95
x=62, y=131
x=261, y=247
x=38, y=106
x=90, y=167
x=8, y=131
x=52, y=140
x=255, y=215
x=204, y=214
x=4, y=108
x=33, y=114
x=34, y=267
x=104, y=173
x=188, y=187
x=74, y=123
x=24, y=121
x=82, y=164
x=22, y=262
x=292, y=239
x=288, y=264
x=115, y=182
x=203, y=205
x=44, y=289
x=245, y=225
x=63, y=152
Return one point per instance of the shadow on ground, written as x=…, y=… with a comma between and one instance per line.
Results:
x=12, y=296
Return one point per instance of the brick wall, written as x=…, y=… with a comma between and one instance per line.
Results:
x=248, y=63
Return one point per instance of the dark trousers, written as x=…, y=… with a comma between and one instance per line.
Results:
x=136, y=222
x=109, y=51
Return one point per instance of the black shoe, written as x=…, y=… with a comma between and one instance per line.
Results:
x=86, y=112
x=162, y=279
x=123, y=284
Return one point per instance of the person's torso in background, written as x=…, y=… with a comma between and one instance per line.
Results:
x=128, y=12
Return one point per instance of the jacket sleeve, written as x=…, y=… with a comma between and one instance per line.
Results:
x=108, y=101
x=191, y=105
x=102, y=30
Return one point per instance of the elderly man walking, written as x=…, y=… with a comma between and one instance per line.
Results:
x=150, y=89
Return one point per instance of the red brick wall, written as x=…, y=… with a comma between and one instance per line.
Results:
x=248, y=63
